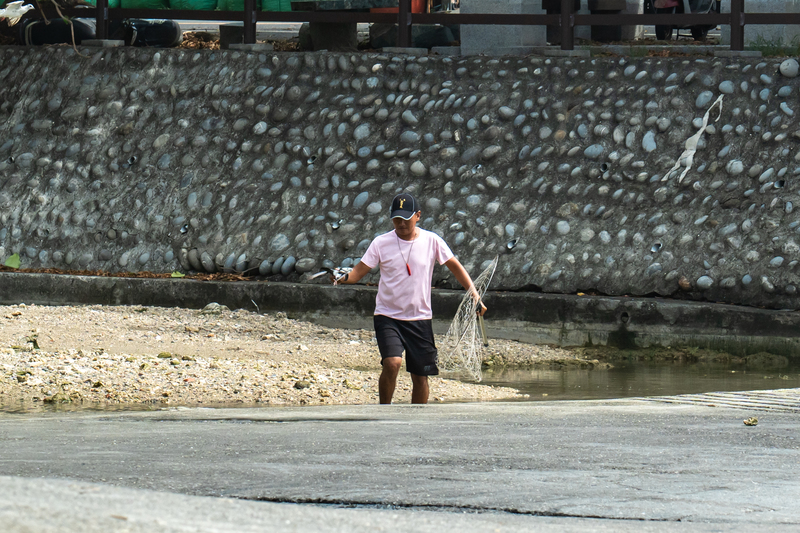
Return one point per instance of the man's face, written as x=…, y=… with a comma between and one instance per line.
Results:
x=405, y=228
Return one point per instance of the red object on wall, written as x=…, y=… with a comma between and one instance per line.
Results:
x=417, y=6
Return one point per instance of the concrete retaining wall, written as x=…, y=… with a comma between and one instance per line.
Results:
x=563, y=320
x=131, y=159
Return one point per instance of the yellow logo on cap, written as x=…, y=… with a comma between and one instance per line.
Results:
x=402, y=200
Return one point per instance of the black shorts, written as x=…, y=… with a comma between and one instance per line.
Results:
x=415, y=337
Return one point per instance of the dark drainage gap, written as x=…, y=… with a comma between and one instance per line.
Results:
x=464, y=509
x=251, y=420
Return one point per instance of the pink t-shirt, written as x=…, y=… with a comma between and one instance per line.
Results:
x=402, y=296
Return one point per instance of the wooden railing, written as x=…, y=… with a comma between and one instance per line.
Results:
x=567, y=19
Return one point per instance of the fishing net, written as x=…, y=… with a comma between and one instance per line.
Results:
x=461, y=348
x=686, y=159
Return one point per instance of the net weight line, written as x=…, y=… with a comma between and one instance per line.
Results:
x=461, y=348
x=483, y=331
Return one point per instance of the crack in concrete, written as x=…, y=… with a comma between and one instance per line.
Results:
x=247, y=420
x=351, y=504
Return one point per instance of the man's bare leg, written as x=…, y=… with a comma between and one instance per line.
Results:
x=388, y=379
x=419, y=394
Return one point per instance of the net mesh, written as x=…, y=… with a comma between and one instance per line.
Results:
x=461, y=349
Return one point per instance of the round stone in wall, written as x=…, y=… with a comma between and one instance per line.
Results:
x=594, y=151
x=241, y=263
x=490, y=152
x=194, y=260
x=473, y=200
x=506, y=112
x=734, y=167
x=410, y=137
x=265, y=268
x=208, y=262
x=277, y=265
x=409, y=118
x=775, y=262
x=703, y=99
x=360, y=200
x=280, y=242
x=361, y=132
x=649, y=141
x=288, y=265
x=229, y=262
x=705, y=282
x=305, y=265
x=726, y=87
x=790, y=68
x=161, y=141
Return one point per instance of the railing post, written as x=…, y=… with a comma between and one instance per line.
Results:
x=404, y=24
x=101, y=19
x=567, y=25
x=250, y=20
x=737, y=25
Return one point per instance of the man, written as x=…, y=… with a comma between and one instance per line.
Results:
x=403, y=314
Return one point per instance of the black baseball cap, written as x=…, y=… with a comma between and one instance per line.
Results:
x=404, y=206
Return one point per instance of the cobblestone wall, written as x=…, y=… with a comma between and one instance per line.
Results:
x=578, y=172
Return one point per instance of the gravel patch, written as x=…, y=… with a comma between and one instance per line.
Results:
x=129, y=357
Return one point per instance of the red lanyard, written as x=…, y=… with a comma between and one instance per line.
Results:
x=408, y=267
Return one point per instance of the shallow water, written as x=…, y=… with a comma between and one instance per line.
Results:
x=632, y=379
x=625, y=379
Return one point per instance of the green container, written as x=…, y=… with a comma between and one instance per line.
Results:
x=230, y=5
x=144, y=4
x=112, y=4
x=266, y=5
x=276, y=5
x=193, y=4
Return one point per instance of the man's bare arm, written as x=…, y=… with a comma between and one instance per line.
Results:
x=355, y=275
x=465, y=280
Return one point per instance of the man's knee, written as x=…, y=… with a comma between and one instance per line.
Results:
x=392, y=364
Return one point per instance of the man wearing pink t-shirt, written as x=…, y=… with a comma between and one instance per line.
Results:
x=406, y=257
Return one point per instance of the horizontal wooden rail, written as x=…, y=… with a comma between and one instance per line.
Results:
x=771, y=18
x=567, y=19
